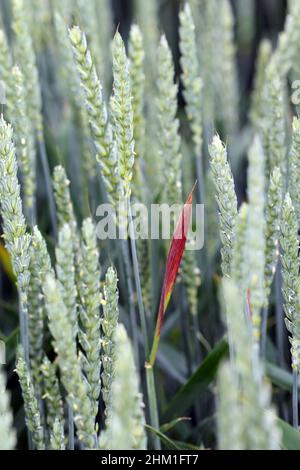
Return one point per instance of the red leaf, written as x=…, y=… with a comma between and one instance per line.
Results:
x=172, y=266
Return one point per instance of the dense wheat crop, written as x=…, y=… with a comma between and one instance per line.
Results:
x=112, y=338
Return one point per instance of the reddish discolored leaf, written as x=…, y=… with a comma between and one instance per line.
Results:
x=172, y=266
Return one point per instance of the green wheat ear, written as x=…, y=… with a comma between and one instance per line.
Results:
x=57, y=438
x=61, y=184
x=264, y=55
x=288, y=43
x=97, y=112
x=39, y=267
x=25, y=55
x=71, y=86
x=239, y=267
x=272, y=227
x=7, y=434
x=32, y=412
x=294, y=171
x=109, y=324
x=52, y=393
x=17, y=240
x=256, y=234
x=272, y=122
x=226, y=199
x=90, y=297
x=122, y=113
x=208, y=41
x=88, y=14
x=126, y=411
x=228, y=86
x=168, y=125
x=137, y=78
x=6, y=63
x=191, y=76
x=290, y=276
x=256, y=419
x=65, y=270
x=229, y=410
x=66, y=216
x=147, y=19
x=24, y=141
x=71, y=376
x=66, y=68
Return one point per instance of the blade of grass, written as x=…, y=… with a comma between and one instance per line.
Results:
x=169, y=426
x=290, y=437
x=198, y=382
x=170, y=445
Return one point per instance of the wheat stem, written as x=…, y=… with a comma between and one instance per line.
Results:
x=295, y=400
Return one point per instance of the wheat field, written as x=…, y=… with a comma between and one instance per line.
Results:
x=113, y=340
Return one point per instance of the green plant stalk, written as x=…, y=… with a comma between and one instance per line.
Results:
x=132, y=314
x=123, y=118
x=264, y=327
x=71, y=443
x=47, y=178
x=151, y=392
x=138, y=283
x=279, y=315
x=154, y=348
x=184, y=324
x=295, y=400
x=153, y=409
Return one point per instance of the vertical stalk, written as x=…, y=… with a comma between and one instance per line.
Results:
x=138, y=282
x=264, y=326
x=184, y=321
x=48, y=185
x=31, y=216
x=295, y=400
x=153, y=410
x=151, y=392
x=200, y=178
x=196, y=328
x=204, y=259
x=71, y=444
x=279, y=315
x=132, y=313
